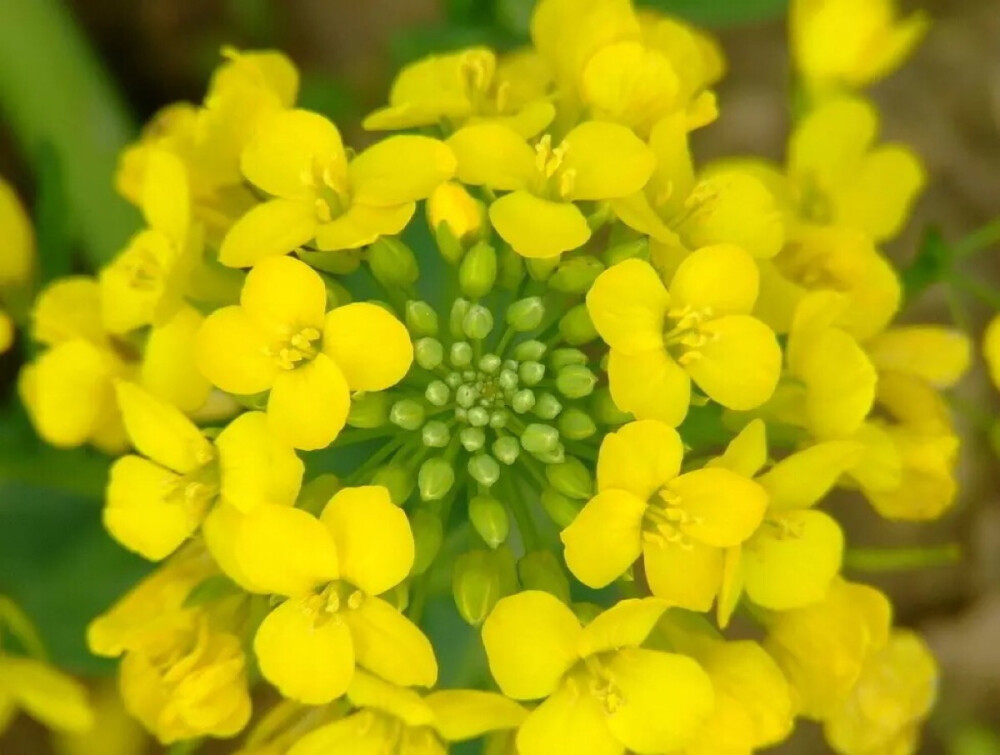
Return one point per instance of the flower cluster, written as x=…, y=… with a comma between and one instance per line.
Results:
x=594, y=390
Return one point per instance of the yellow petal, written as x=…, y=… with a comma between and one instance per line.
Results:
x=630, y=83
x=652, y=683
x=254, y=468
x=400, y=169
x=674, y=179
x=359, y=734
x=936, y=354
x=538, y=228
x=881, y=193
x=52, y=698
x=626, y=624
x=67, y=309
x=492, y=155
x=829, y=143
x=145, y=508
x=19, y=242
x=685, y=575
x=7, y=331
x=650, y=385
x=731, y=588
x=461, y=714
x=605, y=160
x=370, y=346
x=232, y=352
x=126, y=302
x=402, y=703
x=531, y=640
x=637, y=213
x=161, y=431
x=274, y=550
x=271, y=229
x=166, y=201
x=168, y=368
x=628, y=305
x=362, y=224
x=373, y=538
x=639, y=457
x=308, y=657
x=725, y=507
x=792, y=560
x=284, y=294
x=604, y=539
x=390, y=645
x=287, y=147
x=308, y=406
x=740, y=364
x=570, y=720
x=747, y=452
x=802, y=479
x=721, y=278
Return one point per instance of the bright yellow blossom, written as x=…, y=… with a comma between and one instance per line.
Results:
x=17, y=253
x=991, y=349
x=459, y=87
x=318, y=195
x=601, y=692
x=681, y=524
x=49, y=696
x=281, y=339
x=933, y=353
x=387, y=718
x=332, y=570
x=157, y=500
x=699, y=329
x=538, y=216
x=115, y=731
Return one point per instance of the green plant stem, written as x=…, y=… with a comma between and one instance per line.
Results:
x=901, y=559
x=977, y=241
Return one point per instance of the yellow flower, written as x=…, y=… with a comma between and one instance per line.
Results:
x=933, y=353
x=699, y=329
x=387, y=718
x=601, y=692
x=795, y=553
x=842, y=178
x=458, y=87
x=17, y=253
x=889, y=702
x=851, y=43
x=147, y=282
x=681, y=524
x=318, y=195
x=452, y=205
x=6, y=332
x=281, y=339
x=114, y=732
x=823, y=648
x=991, y=349
x=157, y=500
x=331, y=569
x=49, y=696
x=538, y=216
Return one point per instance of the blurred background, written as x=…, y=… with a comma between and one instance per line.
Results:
x=77, y=77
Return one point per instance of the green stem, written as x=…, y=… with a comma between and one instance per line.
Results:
x=977, y=241
x=980, y=290
x=901, y=559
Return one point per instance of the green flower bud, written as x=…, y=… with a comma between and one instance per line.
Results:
x=393, y=263
x=369, y=410
x=421, y=319
x=562, y=510
x=508, y=379
x=565, y=357
x=489, y=363
x=621, y=252
x=541, y=268
x=523, y=401
x=456, y=316
x=475, y=585
x=547, y=406
x=576, y=424
x=571, y=478
x=526, y=314
x=435, y=434
x=340, y=262
x=428, y=534
x=478, y=271
x=538, y=438
x=575, y=381
x=556, y=456
x=510, y=268
x=484, y=469
x=316, y=493
x=604, y=410
x=336, y=294
x=448, y=244
x=490, y=520
x=407, y=414
x=575, y=275
x=531, y=373
x=586, y=612
x=461, y=354
x=478, y=417
x=397, y=479
x=576, y=326
x=428, y=353
x=529, y=351
x=437, y=393
x=541, y=570
x=477, y=323
x=507, y=449
x=435, y=478
x=472, y=438
x=498, y=419
x=466, y=395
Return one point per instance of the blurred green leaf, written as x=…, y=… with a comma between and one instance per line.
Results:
x=931, y=264
x=55, y=249
x=721, y=13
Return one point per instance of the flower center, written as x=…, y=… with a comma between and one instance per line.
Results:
x=684, y=336
x=665, y=518
x=300, y=347
x=554, y=180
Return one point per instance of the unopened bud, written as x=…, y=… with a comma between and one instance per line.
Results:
x=489, y=363
x=340, y=262
x=428, y=353
x=541, y=268
x=529, y=351
x=369, y=410
x=393, y=263
x=510, y=269
x=457, y=314
x=565, y=357
x=397, y=479
x=484, y=469
x=541, y=570
x=575, y=275
x=576, y=424
x=472, y=438
x=475, y=585
x=571, y=478
x=435, y=434
x=576, y=326
x=478, y=417
x=477, y=323
x=575, y=381
x=538, y=438
x=428, y=534
x=630, y=249
x=478, y=271
x=336, y=294
x=562, y=510
x=556, y=455
x=526, y=314
x=604, y=410
x=507, y=449
x=490, y=520
x=461, y=354
x=451, y=205
x=437, y=393
x=523, y=401
x=547, y=406
x=421, y=319
x=407, y=414
x=316, y=493
x=435, y=478
x=531, y=373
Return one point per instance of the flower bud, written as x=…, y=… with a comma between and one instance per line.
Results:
x=490, y=520
x=397, y=479
x=565, y=357
x=541, y=268
x=541, y=570
x=428, y=534
x=316, y=493
x=510, y=269
x=428, y=353
x=340, y=262
x=478, y=417
x=489, y=363
x=531, y=373
x=604, y=410
x=571, y=478
x=575, y=381
x=575, y=275
x=421, y=319
x=507, y=449
x=629, y=250
x=435, y=434
x=556, y=455
x=460, y=354
x=562, y=510
x=484, y=469
x=472, y=438
x=435, y=478
x=475, y=585
x=407, y=414
x=437, y=393
x=477, y=323
x=369, y=410
x=529, y=351
x=498, y=419
x=478, y=271
x=523, y=401
x=336, y=294
x=393, y=263
x=576, y=326
x=526, y=314
x=538, y=438
x=576, y=424
x=451, y=205
x=547, y=406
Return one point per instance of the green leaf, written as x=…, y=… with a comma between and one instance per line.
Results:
x=931, y=265
x=721, y=13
